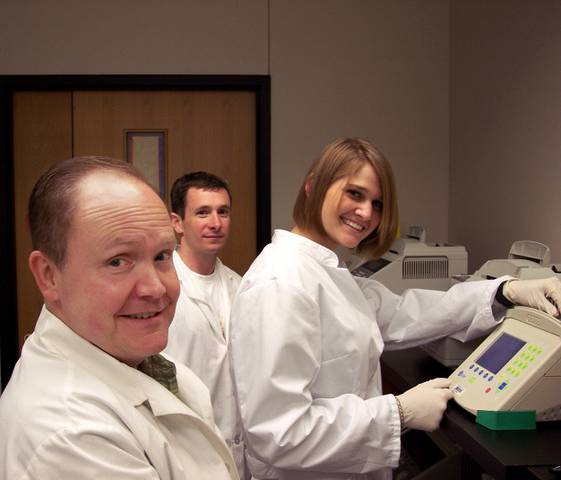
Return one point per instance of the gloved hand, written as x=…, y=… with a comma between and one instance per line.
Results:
x=543, y=294
x=424, y=405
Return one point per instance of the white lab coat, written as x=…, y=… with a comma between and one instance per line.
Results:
x=306, y=341
x=196, y=339
x=72, y=411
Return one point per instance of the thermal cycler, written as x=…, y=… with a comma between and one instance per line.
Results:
x=517, y=367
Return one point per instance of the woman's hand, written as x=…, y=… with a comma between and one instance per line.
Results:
x=543, y=294
x=424, y=405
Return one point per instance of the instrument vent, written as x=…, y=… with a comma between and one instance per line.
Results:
x=425, y=267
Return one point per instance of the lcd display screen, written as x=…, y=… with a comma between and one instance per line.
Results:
x=371, y=267
x=500, y=352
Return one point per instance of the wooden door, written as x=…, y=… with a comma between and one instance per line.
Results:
x=42, y=135
x=205, y=130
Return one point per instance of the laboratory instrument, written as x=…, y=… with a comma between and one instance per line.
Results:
x=526, y=260
x=517, y=367
x=411, y=262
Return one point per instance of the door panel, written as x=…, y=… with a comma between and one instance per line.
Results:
x=42, y=135
x=206, y=130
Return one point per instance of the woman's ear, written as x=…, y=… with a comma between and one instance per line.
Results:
x=45, y=273
x=308, y=185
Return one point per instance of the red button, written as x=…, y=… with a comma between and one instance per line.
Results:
x=488, y=389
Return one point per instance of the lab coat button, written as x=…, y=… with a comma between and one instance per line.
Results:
x=237, y=440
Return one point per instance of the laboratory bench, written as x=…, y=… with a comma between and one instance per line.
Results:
x=474, y=449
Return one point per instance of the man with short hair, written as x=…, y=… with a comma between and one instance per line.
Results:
x=90, y=397
x=201, y=204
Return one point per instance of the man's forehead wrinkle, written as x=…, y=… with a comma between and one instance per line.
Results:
x=124, y=214
x=130, y=236
x=114, y=222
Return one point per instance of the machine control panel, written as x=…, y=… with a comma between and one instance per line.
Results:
x=515, y=367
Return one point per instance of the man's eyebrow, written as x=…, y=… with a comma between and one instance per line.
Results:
x=210, y=207
x=120, y=240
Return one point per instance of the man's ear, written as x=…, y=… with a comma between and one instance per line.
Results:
x=177, y=224
x=45, y=273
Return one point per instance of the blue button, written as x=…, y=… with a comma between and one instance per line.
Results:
x=490, y=377
x=480, y=372
x=486, y=375
x=502, y=386
x=476, y=369
x=471, y=367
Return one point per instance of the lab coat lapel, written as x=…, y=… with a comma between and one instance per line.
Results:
x=189, y=406
x=232, y=286
x=206, y=311
x=163, y=402
x=196, y=294
x=190, y=410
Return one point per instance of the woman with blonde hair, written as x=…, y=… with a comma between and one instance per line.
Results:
x=307, y=336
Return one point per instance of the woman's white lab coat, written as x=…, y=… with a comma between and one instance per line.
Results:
x=197, y=340
x=305, y=343
x=72, y=411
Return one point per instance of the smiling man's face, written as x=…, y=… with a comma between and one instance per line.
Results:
x=117, y=287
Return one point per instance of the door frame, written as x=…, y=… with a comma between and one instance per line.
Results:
x=9, y=84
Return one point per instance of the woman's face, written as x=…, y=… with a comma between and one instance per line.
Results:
x=352, y=208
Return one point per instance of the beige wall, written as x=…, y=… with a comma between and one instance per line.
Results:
x=461, y=95
x=376, y=69
x=505, y=132
x=133, y=37
x=371, y=68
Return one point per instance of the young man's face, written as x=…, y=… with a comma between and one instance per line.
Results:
x=206, y=224
x=118, y=287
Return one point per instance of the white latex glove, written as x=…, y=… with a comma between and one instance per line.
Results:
x=543, y=294
x=424, y=405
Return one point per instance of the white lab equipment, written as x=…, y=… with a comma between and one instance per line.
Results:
x=517, y=367
x=411, y=262
x=526, y=260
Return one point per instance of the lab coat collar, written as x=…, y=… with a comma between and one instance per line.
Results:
x=136, y=387
x=322, y=254
x=163, y=402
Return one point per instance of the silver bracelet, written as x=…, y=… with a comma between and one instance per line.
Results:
x=400, y=410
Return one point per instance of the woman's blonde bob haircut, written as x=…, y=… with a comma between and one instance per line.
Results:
x=343, y=158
